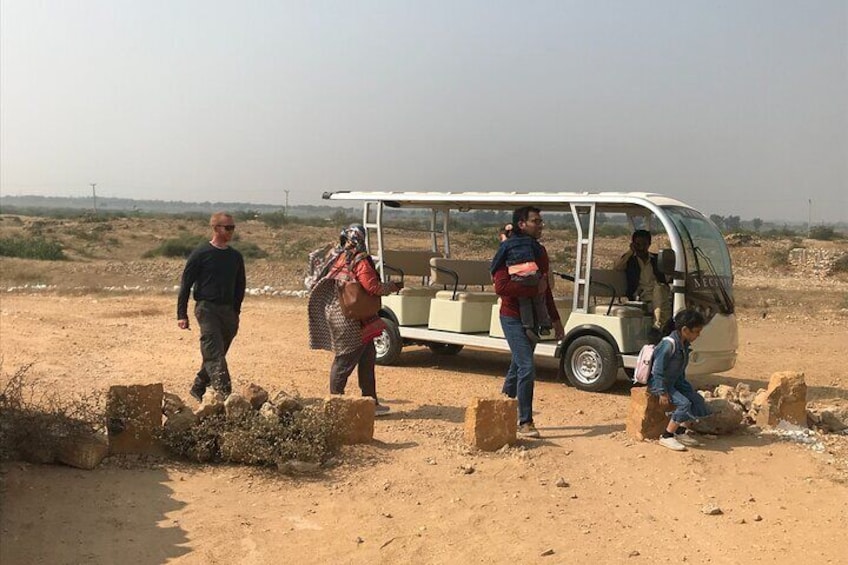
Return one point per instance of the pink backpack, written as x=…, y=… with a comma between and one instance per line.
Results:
x=645, y=361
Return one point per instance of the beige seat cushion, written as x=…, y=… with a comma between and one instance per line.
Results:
x=461, y=316
x=418, y=291
x=467, y=296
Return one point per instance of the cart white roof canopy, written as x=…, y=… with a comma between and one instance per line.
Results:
x=506, y=200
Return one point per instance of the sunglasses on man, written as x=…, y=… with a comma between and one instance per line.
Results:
x=228, y=227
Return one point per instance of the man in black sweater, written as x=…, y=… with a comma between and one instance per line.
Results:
x=644, y=280
x=216, y=272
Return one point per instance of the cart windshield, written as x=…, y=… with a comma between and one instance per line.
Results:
x=708, y=273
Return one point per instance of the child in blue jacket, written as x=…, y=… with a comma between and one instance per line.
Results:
x=520, y=253
x=668, y=380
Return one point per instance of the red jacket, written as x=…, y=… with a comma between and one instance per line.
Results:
x=510, y=291
x=363, y=272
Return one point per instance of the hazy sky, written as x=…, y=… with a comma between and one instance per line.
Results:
x=737, y=107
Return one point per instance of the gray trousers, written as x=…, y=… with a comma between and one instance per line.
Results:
x=363, y=358
x=218, y=327
x=534, y=313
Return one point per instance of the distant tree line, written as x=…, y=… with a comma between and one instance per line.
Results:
x=734, y=224
x=278, y=217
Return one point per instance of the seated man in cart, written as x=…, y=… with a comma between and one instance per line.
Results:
x=644, y=281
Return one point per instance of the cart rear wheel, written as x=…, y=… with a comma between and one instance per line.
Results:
x=590, y=364
x=388, y=344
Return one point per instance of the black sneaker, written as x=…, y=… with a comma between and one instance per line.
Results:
x=532, y=336
x=197, y=391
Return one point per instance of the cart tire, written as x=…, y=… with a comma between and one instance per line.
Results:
x=590, y=364
x=388, y=344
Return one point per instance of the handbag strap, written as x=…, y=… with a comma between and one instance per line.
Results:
x=342, y=270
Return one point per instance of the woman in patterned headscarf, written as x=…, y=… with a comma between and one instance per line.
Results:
x=352, y=341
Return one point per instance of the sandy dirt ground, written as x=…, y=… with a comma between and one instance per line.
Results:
x=405, y=498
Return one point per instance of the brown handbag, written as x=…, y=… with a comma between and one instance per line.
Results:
x=355, y=302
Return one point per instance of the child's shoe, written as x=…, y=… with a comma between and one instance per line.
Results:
x=532, y=336
x=687, y=439
x=672, y=443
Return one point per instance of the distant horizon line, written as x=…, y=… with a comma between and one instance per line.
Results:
x=228, y=205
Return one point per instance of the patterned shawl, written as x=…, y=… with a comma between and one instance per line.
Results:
x=328, y=328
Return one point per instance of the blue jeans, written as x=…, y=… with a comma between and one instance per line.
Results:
x=522, y=370
x=688, y=404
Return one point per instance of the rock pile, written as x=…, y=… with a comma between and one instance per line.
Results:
x=783, y=403
x=784, y=400
x=815, y=261
x=252, y=428
x=247, y=427
x=830, y=416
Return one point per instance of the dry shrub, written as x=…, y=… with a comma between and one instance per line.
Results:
x=34, y=420
x=36, y=247
x=841, y=264
x=779, y=258
x=309, y=435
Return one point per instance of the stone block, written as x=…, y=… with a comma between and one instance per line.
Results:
x=181, y=422
x=490, y=423
x=286, y=404
x=759, y=399
x=786, y=399
x=172, y=404
x=134, y=418
x=354, y=417
x=646, y=419
x=270, y=413
x=724, y=391
x=237, y=407
x=256, y=395
x=726, y=417
x=82, y=452
x=744, y=396
x=829, y=415
x=212, y=405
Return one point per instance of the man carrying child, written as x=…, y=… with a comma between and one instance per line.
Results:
x=520, y=378
x=521, y=252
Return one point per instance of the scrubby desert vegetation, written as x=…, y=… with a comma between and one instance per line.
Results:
x=105, y=315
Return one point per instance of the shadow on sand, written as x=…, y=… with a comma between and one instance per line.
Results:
x=55, y=514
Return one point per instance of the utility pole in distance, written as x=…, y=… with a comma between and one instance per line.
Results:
x=93, y=186
x=286, y=209
x=809, y=216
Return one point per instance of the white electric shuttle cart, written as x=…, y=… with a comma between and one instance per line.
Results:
x=448, y=303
